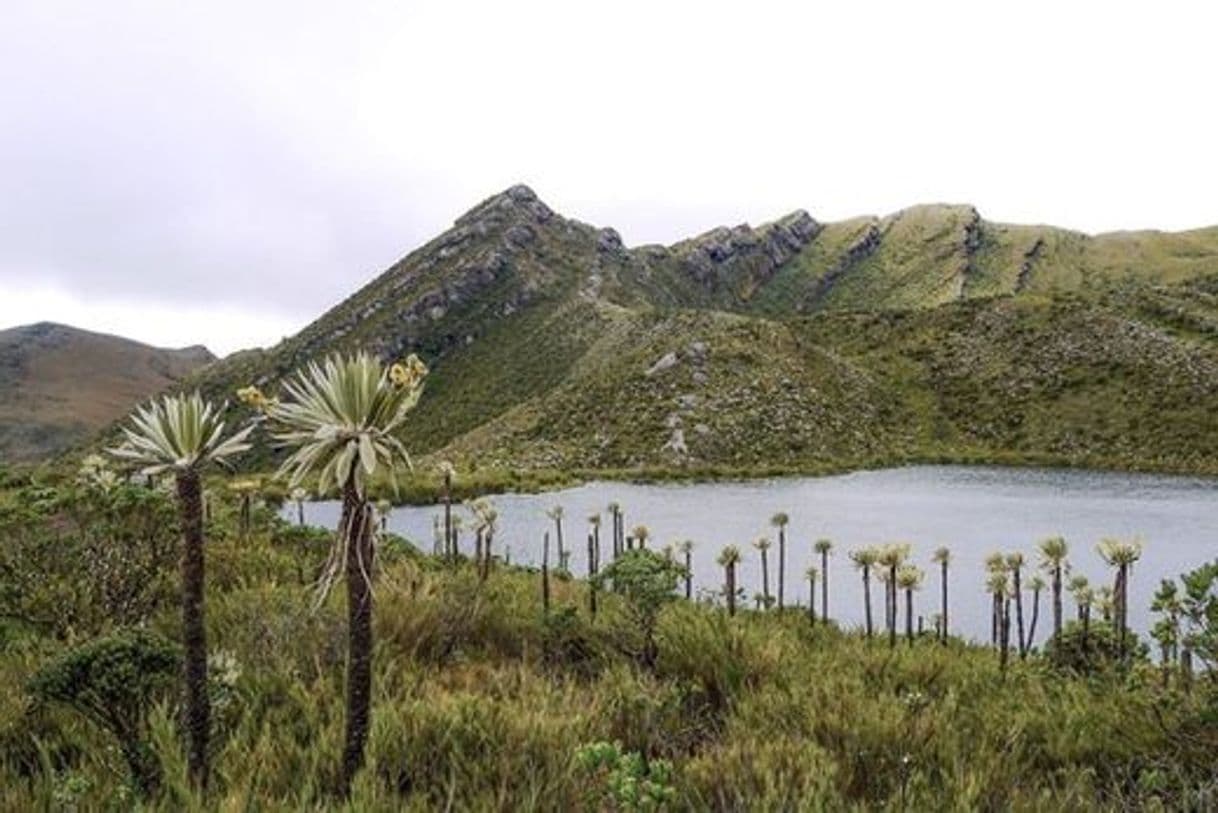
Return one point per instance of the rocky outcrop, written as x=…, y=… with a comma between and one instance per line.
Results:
x=744, y=251
x=1025, y=267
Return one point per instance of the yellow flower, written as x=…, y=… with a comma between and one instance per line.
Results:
x=408, y=373
x=252, y=396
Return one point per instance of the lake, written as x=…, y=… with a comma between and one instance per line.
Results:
x=973, y=510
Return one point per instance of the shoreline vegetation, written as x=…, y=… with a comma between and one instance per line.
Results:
x=422, y=487
x=132, y=675
x=507, y=687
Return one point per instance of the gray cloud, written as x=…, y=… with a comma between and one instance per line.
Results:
x=273, y=156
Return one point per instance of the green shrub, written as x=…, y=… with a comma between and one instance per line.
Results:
x=1095, y=651
x=115, y=681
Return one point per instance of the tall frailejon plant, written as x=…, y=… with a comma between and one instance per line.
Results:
x=615, y=513
x=810, y=574
x=729, y=558
x=686, y=547
x=780, y=522
x=1037, y=585
x=1015, y=562
x=824, y=547
x=447, y=473
x=865, y=559
x=762, y=544
x=1053, y=553
x=486, y=522
x=942, y=558
x=556, y=515
x=183, y=435
x=340, y=421
x=641, y=533
x=299, y=496
x=995, y=565
x=1080, y=590
x=892, y=556
x=909, y=579
x=1120, y=555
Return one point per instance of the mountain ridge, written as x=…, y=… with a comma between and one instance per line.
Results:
x=541, y=329
x=61, y=384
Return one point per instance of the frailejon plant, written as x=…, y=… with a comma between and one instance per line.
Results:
x=810, y=574
x=995, y=565
x=762, y=544
x=686, y=547
x=780, y=521
x=615, y=512
x=1036, y=584
x=892, y=556
x=1121, y=556
x=556, y=516
x=1015, y=562
x=447, y=474
x=183, y=435
x=909, y=579
x=824, y=547
x=865, y=559
x=340, y=421
x=942, y=557
x=299, y=496
x=1053, y=553
x=728, y=559
x=641, y=533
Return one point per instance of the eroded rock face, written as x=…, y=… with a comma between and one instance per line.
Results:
x=744, y=250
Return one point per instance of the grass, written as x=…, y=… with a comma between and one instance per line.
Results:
x=482, y=701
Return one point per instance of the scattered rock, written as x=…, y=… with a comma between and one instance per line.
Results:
x=676, y=443
x=666, y=361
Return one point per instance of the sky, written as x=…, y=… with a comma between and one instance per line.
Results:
x=223, y=172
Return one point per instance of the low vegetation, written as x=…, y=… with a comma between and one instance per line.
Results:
x=482, y=698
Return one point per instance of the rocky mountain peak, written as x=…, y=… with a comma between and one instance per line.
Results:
x=516, y=204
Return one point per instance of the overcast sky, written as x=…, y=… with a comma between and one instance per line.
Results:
x=221, y=173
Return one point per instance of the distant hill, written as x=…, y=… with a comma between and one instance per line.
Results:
x=929, y=332
x=59, y=384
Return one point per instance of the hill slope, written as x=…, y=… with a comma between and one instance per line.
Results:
x=929, y=332
x=59, y=384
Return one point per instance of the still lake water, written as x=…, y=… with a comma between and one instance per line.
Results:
x=973, y=510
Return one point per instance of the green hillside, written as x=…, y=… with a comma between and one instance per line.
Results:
x=927, y=334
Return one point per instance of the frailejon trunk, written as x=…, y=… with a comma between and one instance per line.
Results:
x=1057, y=600
x=824, y=586
x=357, y=523
x=909, y=615
x=545, y=573
x=730, y=588
x=558, y=539
x=892, y=603
x=943, y=612
x=689, y=576
x=592, y=575
x=765, y=578
x=450, y=544
x=812, y=600
x=1032, y=626
x=1005, y=634
x=867, y=599
x=782, y=562
x=1015, y=575
x=194, y=634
